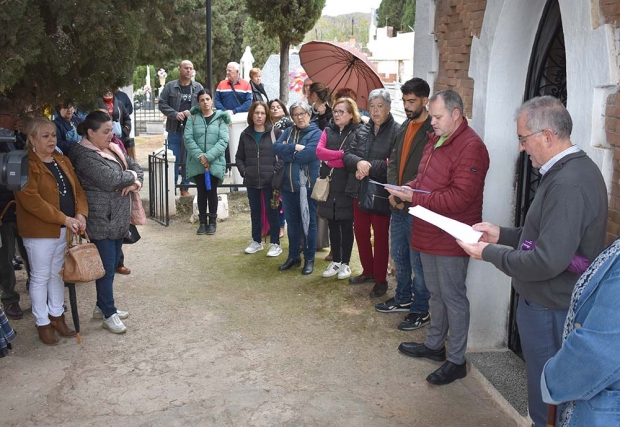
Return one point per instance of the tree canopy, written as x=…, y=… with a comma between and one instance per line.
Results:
x=399, y=14
x=289, y=21
x=56, y=50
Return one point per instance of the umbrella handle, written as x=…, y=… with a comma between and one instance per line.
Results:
x=79, y=338
x=551, y=415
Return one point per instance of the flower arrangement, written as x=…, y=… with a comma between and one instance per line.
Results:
x=162, y=73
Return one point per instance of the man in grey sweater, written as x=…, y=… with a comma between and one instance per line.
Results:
x=564, y=230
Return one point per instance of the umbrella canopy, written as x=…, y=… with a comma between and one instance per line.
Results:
x=339, y=65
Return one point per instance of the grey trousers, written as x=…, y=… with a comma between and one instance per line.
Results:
x=540, y=330
x=449, y=306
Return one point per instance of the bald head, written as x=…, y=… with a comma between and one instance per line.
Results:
x=232, y=71
x=186, y=69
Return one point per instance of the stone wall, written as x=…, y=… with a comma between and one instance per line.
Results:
x=456, y=23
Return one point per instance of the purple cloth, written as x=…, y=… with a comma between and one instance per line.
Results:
x=578, y=264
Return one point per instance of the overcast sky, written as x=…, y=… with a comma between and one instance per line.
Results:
x=340, y=7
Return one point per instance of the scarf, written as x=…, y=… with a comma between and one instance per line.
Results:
x=569, y=325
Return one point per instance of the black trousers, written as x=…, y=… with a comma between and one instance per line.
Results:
x=341, y=236
x=8, y=230
x=206, y=197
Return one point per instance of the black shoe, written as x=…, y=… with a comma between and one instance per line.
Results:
x=16, y=266
x=290, y=262
x=308, y=267
x=202, y=229
x=212, y=225
x=13, y=311
x=391, y=306
x=414, y=321
x=447, y=373
x=358, y=280
x=18, y=259
x=413, y=349
x=378, y=290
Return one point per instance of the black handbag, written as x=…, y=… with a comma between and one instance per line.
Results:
x=132, y=235
x=373, y=198
x=278, y=175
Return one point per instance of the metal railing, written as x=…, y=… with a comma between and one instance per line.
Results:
x=158, y=188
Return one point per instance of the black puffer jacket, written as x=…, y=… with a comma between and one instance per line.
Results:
x=255, y=161
x=376, y=149
x=339, y=205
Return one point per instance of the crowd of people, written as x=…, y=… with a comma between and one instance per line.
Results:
x=81, y=175
x=80, y=180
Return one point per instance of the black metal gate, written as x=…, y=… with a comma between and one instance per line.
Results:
x=158, y=188
x=546, y=76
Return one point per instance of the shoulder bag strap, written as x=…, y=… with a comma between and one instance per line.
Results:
x=232, y=86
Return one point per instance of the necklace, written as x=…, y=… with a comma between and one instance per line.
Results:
x=62, y=192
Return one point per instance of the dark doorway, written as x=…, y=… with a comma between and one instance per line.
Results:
x=546, y=76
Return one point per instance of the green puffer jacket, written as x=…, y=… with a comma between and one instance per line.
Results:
x=212, y=141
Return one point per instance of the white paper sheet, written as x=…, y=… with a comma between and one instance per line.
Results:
x=398, y=187
x=455, y=228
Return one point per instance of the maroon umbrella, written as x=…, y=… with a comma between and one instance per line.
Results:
x=339, y=65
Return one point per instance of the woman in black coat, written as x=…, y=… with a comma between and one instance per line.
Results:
x=258, y=89
x=255, y=161
x=338, y=208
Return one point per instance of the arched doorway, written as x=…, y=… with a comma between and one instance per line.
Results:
x=546, y=76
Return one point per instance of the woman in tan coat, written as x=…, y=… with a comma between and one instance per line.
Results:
x=52, y=203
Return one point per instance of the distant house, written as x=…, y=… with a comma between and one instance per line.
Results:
x=393, y=56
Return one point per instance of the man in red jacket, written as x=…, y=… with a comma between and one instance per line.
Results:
x=451, y=174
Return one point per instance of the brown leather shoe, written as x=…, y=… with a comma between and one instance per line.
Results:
x=329, y=256
x=123, y=270
x=13, y=311
x=61, y=327
x=185, y=193
x=47, y=335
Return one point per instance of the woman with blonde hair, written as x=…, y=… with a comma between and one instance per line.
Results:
x=52, y=204
x=258, y=90
x=338, y=208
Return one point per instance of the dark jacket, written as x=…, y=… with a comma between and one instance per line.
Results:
x=255, y=161
x=338, y=206
x=376, y=149
x=169, y=102
x=258, y=92
x=119, y=114
x=103, y=179
x=322, y=119
x=62, y=128
x=454, y=174
x=294, y=161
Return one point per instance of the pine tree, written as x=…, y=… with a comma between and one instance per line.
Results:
x=289, y=21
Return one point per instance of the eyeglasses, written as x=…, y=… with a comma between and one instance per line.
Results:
x=339, y=112
x=523, y=139
x=299, y=115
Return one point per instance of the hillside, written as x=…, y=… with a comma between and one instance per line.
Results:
x=338, y=28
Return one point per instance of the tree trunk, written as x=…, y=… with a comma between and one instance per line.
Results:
x=284, y=71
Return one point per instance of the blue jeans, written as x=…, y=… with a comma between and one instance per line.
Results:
x=110, y=252
x=540, y=330
x=255, y=195
x=175, y=143
x=407, y=260
x=292, y=212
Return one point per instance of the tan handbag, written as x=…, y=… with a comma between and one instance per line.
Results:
x=320, y=192
x=82, y=260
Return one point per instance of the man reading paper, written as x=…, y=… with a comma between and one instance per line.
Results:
x=453, y=168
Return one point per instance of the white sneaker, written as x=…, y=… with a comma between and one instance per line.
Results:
x=332, y=269
x=98, y=314
x=274, y=250
x=114, y=324
x=254, y=247
x=344, y=272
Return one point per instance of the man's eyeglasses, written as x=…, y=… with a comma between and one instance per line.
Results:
x=523, y=139
x=339, y=112
x=299, y=115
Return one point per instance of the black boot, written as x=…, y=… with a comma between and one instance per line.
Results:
x=202, y=229
x=212, y=224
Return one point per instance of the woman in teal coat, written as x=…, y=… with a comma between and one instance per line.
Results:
x=206, y=141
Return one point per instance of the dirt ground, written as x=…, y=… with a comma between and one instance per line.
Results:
x=220, y=338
